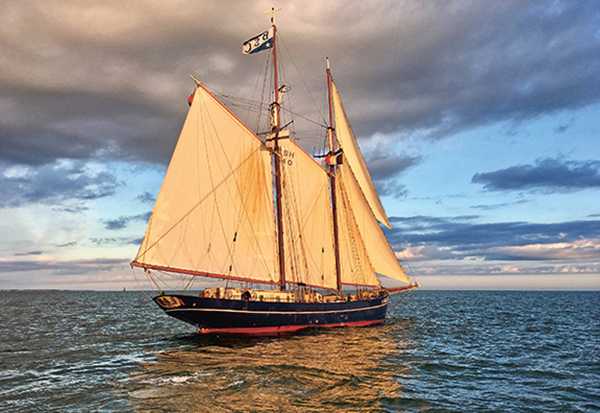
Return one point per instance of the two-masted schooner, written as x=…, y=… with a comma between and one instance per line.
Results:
x=297, y=239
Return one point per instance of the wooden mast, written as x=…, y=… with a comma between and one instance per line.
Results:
x=330, y=132
x=275, y=129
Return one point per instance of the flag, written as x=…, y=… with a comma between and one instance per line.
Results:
x=335, y=159
x=259, y=42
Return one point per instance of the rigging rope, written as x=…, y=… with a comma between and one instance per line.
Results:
x=301, y=78
x=259, y=108
x=405, y=295
x=138, y=282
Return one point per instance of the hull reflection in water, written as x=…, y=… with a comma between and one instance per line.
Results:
x=314, y=370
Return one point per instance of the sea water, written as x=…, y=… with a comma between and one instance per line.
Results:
x=448, y=351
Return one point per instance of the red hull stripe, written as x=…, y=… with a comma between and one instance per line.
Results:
x=284, y=329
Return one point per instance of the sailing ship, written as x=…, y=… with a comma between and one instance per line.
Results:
x=297, y=239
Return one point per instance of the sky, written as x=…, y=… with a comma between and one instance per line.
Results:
x=479, y=120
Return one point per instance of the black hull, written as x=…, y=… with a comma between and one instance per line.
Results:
x=223, y=316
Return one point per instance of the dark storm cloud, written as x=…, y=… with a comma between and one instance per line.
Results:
x=507, y=61
x=82, y=125
x=53, y=184
x=462, y=238
x=548, y=175
x=88, y=78
x=82, y=79
x=446, y=66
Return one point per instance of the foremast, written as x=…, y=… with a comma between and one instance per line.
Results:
x=275, y=129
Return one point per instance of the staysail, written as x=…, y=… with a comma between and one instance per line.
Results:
x=214, y=212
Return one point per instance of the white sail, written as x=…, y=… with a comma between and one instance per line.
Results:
x=381, y=255
x=214, y=213
x=307, y=219
x=356, y=268
x=363, y=198
x=354, y=158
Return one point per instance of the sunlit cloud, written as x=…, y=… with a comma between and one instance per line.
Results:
x=427, y=253
x=493, y=269
x=577, y=250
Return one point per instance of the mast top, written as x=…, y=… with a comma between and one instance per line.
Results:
x=195, y=80
x=272, y=11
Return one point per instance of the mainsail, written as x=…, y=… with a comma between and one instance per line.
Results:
x=214, y=212
x=307, y=219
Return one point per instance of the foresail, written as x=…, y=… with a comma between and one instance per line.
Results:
x=381, y=255
x=356, y=267
x=214, y=213
x=354, y=158
x=307, y=219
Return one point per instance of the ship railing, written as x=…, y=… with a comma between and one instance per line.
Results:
x=275, y=296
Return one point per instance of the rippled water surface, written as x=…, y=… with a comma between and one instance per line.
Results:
x=438, y=351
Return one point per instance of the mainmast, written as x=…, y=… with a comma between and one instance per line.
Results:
x=275, y=129
x=330, y=133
